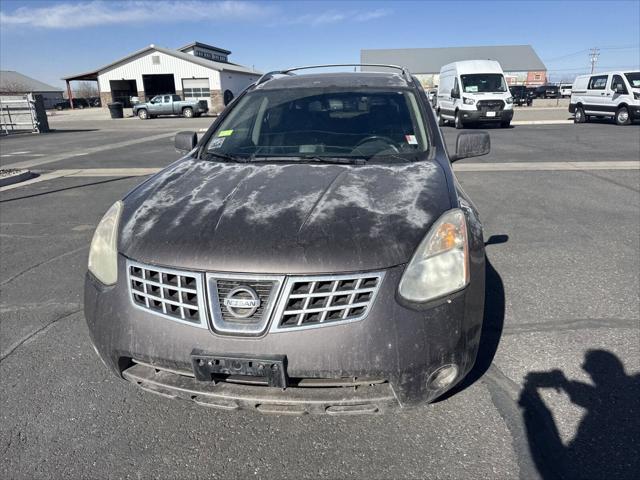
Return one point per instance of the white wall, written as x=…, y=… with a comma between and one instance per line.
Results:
x=143, y=64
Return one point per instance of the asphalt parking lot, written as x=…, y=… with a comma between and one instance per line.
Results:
x=555, y=392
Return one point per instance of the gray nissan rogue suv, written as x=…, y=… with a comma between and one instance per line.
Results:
x=312, y=253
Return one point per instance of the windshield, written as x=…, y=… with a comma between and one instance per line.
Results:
x=483, y=82
x=322, y=124
x=633, y=78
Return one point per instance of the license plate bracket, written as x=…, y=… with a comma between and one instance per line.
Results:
x=270, y=368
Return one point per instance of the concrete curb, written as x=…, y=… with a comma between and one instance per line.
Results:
x=17, y=177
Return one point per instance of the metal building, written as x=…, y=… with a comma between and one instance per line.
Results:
x=16, y=84
x=197, y=71
x=520, y=63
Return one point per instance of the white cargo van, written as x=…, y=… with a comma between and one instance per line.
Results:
x=473, y=91
x=610, y=94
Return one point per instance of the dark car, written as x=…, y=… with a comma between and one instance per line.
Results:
x=547, y=91
x=313, y=252
x=77, y=103
x=521, y=95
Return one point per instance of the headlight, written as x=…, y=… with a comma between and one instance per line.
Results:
x=509, y=100
x=103, y=254
x=440, y=264
x=468, y=101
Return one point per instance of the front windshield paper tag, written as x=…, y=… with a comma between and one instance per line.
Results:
x=411, y=139
x=225, y=133
x=217, y=142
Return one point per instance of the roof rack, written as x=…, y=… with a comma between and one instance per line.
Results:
x=269, y=75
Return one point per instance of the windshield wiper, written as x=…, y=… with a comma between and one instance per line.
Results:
x=228, y=158
x=309, y=158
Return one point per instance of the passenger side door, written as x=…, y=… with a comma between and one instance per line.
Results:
x=447, y=101
x=618, y=91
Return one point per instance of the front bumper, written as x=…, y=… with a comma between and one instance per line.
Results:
x=398, y=348
x=481, y=116
x=634, y=111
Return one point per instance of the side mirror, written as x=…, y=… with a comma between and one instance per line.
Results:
x=471, y=144
x=185, y=141
x=455, y=94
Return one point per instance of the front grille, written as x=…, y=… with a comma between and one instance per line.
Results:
x=174, y=294
x=239, y=320
x=493, y=105
x=309, y=302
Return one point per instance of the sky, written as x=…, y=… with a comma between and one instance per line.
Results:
x=51, y=39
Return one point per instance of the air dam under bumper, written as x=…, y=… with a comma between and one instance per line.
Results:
x=399, y=347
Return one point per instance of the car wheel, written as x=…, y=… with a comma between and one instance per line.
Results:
x=143, y=114
x=622, y=116
x=458, y=121
x=440, y=119
x=505, y=124
x=187, y=112
x=579, y=117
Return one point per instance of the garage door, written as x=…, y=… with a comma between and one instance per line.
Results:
x=196, y=88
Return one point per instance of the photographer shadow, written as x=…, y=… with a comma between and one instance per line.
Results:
x=607, y=441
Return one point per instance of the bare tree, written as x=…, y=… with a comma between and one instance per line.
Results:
x=86, y=90
x=13, y=87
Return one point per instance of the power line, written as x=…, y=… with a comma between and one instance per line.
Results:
x=594, y=53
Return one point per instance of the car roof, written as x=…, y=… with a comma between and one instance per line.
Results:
x=338, y=79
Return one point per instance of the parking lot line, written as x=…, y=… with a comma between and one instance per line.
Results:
x=545, y=166
x=458, y=167
x=541, y=122
x=101, y=148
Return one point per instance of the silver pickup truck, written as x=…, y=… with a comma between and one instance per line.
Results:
x=170, y=105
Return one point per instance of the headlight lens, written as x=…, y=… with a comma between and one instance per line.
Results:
x=440, y=264
x=509, y=100
x=468, y=101
x=103, y=254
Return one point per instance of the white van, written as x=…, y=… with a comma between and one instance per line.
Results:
x=473, y=91
x=610, y=94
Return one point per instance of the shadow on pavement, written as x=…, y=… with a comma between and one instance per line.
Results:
x=607, y=442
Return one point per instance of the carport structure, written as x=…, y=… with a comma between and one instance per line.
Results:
x=83, y=77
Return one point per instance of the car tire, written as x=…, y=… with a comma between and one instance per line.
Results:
x=579, y=116
x=622, y=116
x=458, y=121
x=187, y=112
x=143, y=114
x=505, y=124
x=440, y=119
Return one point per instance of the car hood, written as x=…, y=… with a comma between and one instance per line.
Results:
x=282, y=218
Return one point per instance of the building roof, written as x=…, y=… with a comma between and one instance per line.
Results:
x=220, y=66
x=9, y=80
x=204, y=45
x=513, y=58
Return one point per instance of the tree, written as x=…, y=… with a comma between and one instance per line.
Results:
x=86, y=90
x=14, y=87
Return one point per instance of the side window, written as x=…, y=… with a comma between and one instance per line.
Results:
x=167, y=98
x=176, y=98
x=598, y=82
x=618, y=82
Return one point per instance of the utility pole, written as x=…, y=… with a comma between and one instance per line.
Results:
x=594, y=53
